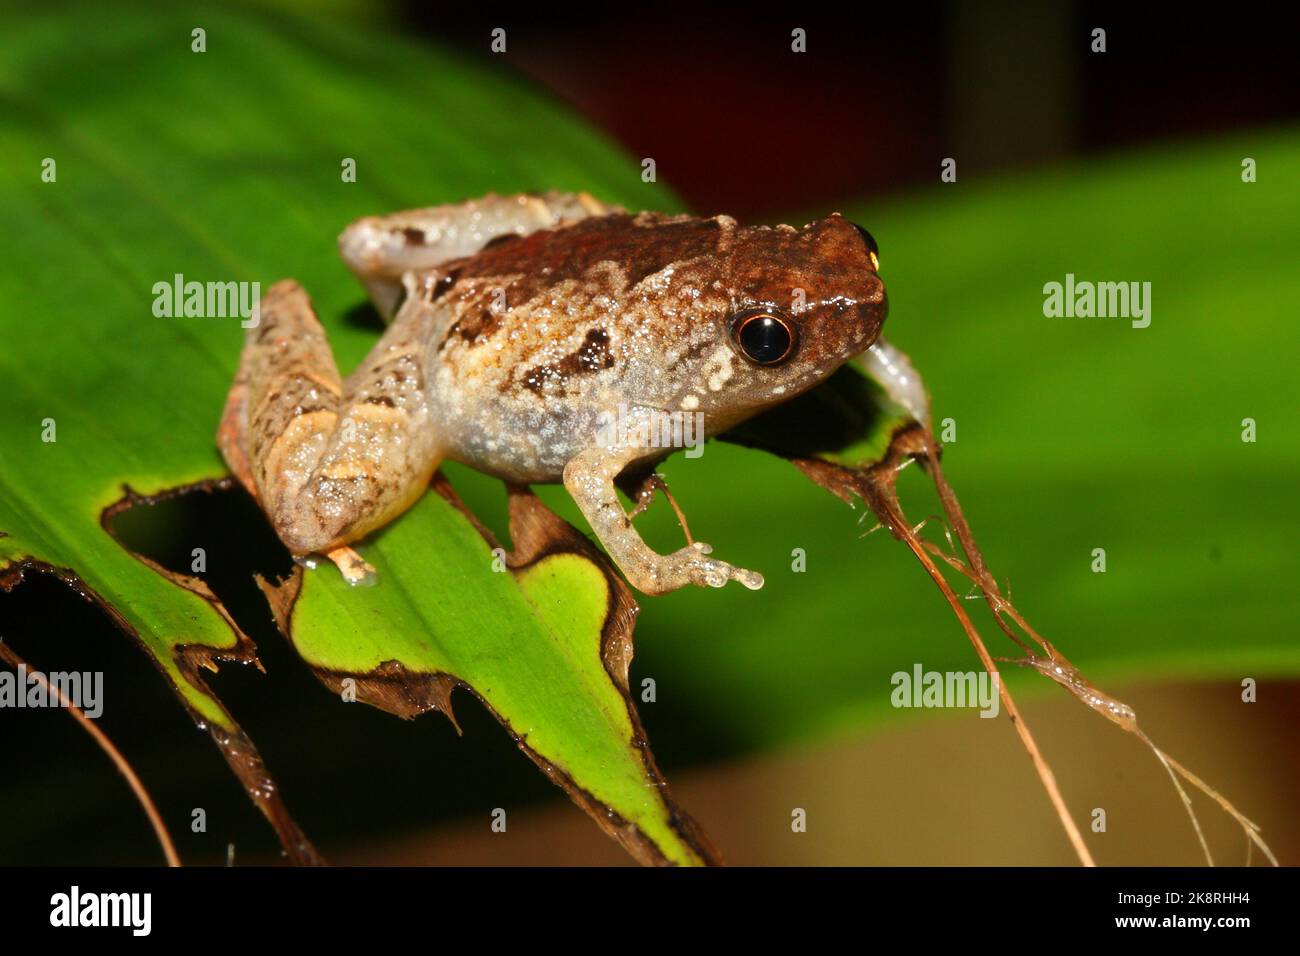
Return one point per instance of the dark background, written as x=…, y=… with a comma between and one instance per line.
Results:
x=738, y=123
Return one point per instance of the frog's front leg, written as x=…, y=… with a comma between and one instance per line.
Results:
x=590, y=479
x=380, y=250
x=893, y=371
x=328, y=460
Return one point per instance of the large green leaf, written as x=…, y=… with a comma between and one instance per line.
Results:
x=226, y=165
x=546, y=647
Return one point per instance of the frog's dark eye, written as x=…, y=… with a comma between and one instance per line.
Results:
x=764, y=336
x=869, y=241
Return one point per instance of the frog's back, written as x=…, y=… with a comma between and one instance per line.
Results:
x=541, y=334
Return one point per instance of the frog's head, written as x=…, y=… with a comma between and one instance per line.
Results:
x=803, y=303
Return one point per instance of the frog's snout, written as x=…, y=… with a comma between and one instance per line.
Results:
x=872, y=308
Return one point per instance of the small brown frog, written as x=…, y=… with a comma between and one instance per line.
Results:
x=521, y=328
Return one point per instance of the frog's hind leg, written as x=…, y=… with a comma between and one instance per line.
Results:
x=382, y=249
x=328, y=460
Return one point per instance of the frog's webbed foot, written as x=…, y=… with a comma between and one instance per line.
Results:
x=328, y=460
x=692, y=565
x=590, y=480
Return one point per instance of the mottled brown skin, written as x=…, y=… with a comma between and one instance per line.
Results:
x=510, y=355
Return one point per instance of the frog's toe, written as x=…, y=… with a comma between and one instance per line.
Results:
x=720, y=572
x=356, y=570
x=712, y=573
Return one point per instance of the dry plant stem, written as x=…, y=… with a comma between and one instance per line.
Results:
x=1251, y=828
x=652, y=483
x=975, y=558
x=1035, y=755
x=1182, y=793
x=159, y=828
x=681, y=518
x=877, y=487
x=879, y=492
x=1113, y=710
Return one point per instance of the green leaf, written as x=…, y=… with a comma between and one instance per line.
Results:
x=226, y=165
x=545, y=647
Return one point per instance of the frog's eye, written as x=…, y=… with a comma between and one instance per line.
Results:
x=869, y=241
x=764, y=336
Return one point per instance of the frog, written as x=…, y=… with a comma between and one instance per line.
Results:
x=519, y=327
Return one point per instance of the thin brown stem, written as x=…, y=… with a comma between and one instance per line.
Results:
x=11, y=657
x=876, y=487
x=1035, y=755
x=1251, y=828
x=1119, y=713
